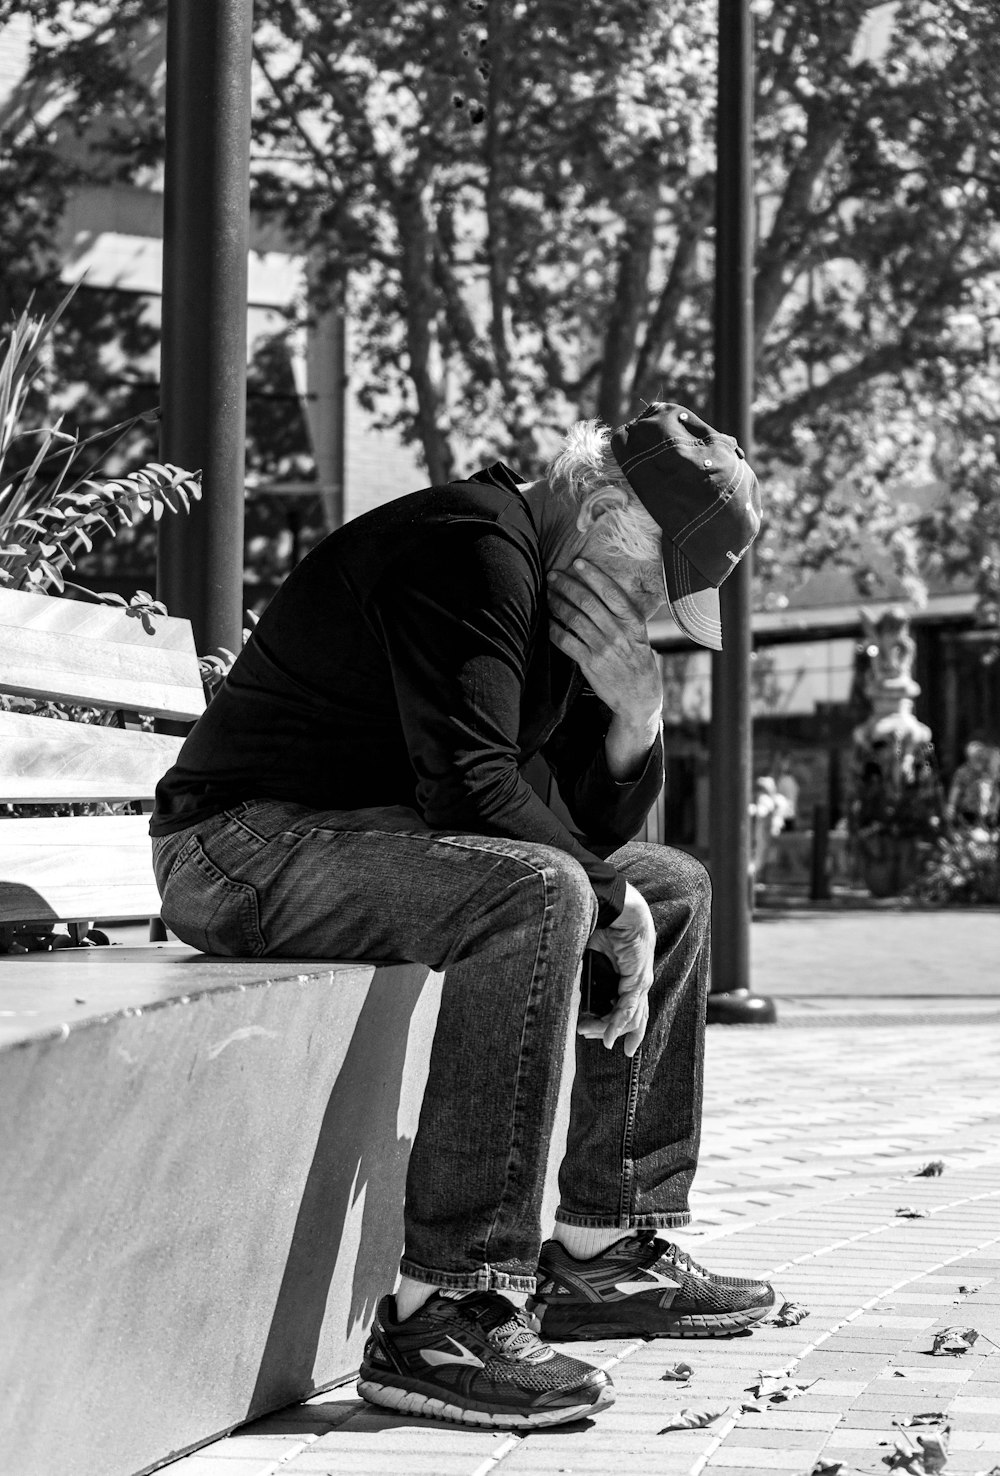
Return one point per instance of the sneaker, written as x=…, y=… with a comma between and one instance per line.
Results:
x=474, y=1360
x=642, y=1287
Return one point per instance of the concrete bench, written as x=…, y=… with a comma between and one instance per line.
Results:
x=202, y=1158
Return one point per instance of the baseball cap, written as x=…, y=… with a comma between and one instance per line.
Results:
x=700, y=488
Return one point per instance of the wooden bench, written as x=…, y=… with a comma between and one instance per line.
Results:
x=202, y=1158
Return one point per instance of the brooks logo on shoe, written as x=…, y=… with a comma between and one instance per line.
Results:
x=649, y=1281
x=437, y=1356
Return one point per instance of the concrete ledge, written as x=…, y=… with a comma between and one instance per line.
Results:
x=203, y=1166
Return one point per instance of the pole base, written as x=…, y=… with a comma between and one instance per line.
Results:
x=740, y=1007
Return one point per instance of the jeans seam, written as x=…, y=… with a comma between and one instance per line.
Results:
x=515, y=1117
x=627, y=1181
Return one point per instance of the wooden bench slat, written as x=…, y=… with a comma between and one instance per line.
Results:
x=81, y=867
x=65, y=650
x=92, y=621
x=44, y=761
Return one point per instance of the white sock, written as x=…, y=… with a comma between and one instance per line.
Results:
x=411, y=1296
x=584, y=1241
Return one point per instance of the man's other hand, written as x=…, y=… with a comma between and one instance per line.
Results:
x=599, y=626
x=629, y=941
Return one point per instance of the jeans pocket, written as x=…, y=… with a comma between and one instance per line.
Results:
x=207, y=908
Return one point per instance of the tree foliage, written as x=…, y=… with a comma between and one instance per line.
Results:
x=523, y=196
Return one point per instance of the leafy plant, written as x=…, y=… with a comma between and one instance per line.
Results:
x=963, y=867
x=51, y=507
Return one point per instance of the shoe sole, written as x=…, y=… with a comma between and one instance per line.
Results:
x=625, y=1319
x=412, y=1402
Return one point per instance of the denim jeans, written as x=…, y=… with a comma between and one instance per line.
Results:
x=507, y=921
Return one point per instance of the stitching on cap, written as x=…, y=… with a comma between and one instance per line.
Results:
x=638, y=457
x=697, y=523
x=696, y=619
x=694, y=615
x=709, y=441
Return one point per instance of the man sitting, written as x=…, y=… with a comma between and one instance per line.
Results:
x=356, y=790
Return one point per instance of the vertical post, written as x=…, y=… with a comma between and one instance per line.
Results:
x=326, y=400
x=731, y=1000
x=204, y=348
x=819, y=857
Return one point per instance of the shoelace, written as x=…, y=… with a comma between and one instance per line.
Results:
x=677, y=1257
x=511, y=1333
x=515, y=1339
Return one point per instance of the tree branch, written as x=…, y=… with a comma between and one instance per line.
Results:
x=457, y=314
x=627, y=309
x=682, y=268
x=778, y=259
x=415, y=267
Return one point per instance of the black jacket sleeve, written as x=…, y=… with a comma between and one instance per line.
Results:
x=458, y=625
x=607, y=811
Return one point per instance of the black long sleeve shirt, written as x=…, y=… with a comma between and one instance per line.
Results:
x=407, y=661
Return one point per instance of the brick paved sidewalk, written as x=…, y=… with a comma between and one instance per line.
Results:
x=812, y=1142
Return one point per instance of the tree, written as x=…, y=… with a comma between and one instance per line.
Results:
x=522, y=196
x=79, y=116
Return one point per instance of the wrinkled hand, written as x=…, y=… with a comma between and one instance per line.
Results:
x=629, y=941
x=597, y=626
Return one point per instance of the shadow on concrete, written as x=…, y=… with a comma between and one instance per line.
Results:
x=358, y=1151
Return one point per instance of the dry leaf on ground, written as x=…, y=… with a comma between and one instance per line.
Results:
x=931, y=1170
x=823, y=1467
x=928, y=1457
x=691, y=1419
x=907, y=1212
x=934, y=1452
x=930, y=1461
x=777, y=1389
x=968, y=1291
x=677, y=1372
x=954, y=1340
x=927, y=1417
x=788, y=1314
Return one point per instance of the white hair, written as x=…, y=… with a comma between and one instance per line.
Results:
x=586, y=464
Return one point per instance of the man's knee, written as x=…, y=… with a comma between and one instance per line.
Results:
x=567, y=885
x=661, y=872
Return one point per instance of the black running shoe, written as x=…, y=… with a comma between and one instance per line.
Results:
x=474, y=1360
x=642, y=1287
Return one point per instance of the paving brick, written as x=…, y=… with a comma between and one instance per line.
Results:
x=948, y=1374
x=794, y=1418
x=207, y=1463
x=773, y=1437
x=754, y=1459
x=854, y=1438
x=379, y=1463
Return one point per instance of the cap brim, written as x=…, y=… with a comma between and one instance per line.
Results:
x=694, y=603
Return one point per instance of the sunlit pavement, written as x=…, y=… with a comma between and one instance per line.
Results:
x=886, y=1058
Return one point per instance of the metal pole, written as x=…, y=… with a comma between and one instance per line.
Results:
x=206, y=233
x=731, y=1000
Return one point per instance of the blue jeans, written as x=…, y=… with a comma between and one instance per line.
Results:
x=507, y=921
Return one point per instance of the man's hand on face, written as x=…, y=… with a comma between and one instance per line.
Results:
x=629, y=942
x=597, y=625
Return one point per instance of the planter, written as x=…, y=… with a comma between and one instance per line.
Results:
x=890, y=864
